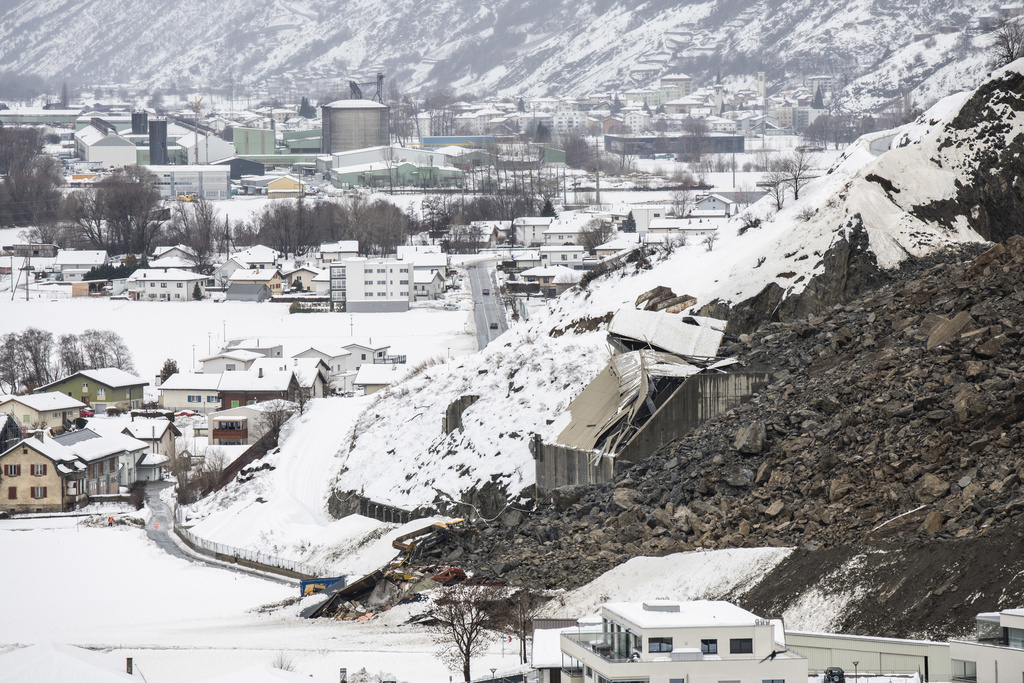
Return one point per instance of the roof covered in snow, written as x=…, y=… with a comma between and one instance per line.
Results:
x=51, y=400
x=688, y=336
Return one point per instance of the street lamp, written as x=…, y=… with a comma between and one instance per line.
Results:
x=855, y=663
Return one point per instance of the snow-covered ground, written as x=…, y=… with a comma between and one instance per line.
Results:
x=155, y=331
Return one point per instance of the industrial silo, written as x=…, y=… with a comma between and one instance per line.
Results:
x=158, y=142
x=354, y=124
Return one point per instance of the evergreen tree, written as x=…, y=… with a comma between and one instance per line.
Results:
x=629, y=225
x=197, y=293
x=549, y=210
x=169, y=368
x=521, y=105
x=616, y=104
x=543, y=133
x=306, y=110
x=819, y=99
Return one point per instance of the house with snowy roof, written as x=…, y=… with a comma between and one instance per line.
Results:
x=698, y=641
x=338, y=251
x=173, y=284
x=101, y=388
x=56, y=662
x=41, y=475
x=72, y=265
x=336, y=359
x=270, y=277
x=230, y=360
x=374, y=377
x=158, y=433
x=194, y=391
x=110, y=459
x=50, y=410
x=312, y=374
x=256, y=386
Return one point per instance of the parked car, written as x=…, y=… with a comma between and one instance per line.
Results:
x=487, y=292
x=86, y=412
x=494, y=326
x=834, y=674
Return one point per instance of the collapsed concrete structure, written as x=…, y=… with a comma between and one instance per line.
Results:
x=666, y=380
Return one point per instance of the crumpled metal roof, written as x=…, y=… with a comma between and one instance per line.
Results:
x=618, y=392
x=689, y=336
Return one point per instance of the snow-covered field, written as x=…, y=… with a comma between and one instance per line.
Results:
x=155, y=331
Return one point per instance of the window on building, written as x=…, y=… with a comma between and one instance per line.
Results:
x=964, y=670
x=211, y=399
x=403, y=270
x=39, y=470
x=180, y=285
x=363, y=356
x=382, y=282
x=234, y=404
x=101, y=393
x=659, y=645
x=12, y=492
x=163, y=285
x=367, y=282
x=12, y=470
x=39, y=492
x=85, y=387
x=25, y=418
x=709, y=647
x=741, y=646
x=773, y=680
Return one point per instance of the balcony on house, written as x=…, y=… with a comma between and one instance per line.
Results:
x=611, y=647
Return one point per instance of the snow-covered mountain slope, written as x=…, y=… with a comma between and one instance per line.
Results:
x=946, y=179
x=502, y=47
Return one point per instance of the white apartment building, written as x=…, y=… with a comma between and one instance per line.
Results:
x=530, y=230
x=996, y=655
x=570, y=121
x=367, y=285
x=663, y=641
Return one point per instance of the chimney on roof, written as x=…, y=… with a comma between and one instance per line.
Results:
x=261, y=372
x=128, y=666
x=39, y=434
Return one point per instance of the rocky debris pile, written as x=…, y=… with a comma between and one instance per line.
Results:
x=896, y=416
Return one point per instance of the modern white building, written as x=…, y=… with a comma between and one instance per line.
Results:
x=150, y=284
x=232, y=360
x=338, y=251
x=209, y=182
x=337, y=360
x=662, y=641
x=210, y=148
x=50, y=410
x=997, y=654
x=530, y=230
x=367, y=285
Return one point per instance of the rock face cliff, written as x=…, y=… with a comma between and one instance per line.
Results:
x=894, y=431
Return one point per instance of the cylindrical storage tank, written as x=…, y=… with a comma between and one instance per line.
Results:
x=140, y=123
x=354, y=124
x=158, y=142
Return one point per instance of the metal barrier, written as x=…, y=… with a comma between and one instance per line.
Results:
x=253, y=558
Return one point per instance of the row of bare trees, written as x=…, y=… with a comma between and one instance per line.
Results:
x=790, y=172
x=35, y=357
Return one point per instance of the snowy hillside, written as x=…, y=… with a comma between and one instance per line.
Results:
x=526, y=378
x=501, y=47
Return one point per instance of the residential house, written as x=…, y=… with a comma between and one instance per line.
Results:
x=259, y=257
x=700, y=641
x=374, y=377
x=152, y=467
x=427, y=285
x=222, y=273
x=40, y=475
x=643, y=214
x=72, y=265
x=244, y=425
x=312, y=374
x=301, y=278
x=271, y=277
x=337, y=251
x=150, y=284
x=570, y=256
x=336, y=359
x=231, y=360
x=100, y=388
x=553, y=280
x=111, y=460
x=366, y=353
x=178, y=250
x=254, y=346
x=51, y=411
x=996, y=654
x=714, y=205
x=692, y=229
x=530, y=230
x=157, y=433
x=256, y=386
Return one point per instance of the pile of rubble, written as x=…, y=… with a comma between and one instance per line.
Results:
x=895, y=416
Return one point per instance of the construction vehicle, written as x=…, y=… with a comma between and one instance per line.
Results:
x=186, y=197
x=357, y=88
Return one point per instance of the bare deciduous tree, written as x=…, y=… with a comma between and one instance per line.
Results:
x=1007, y=42
x=465, y=618
x=682, y=202
x=798, y=168
x=709, y=240
x=776, y=182
x=195, y=224
x=595, y=233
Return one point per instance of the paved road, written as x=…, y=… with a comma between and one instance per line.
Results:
x=162, y=536
x=487, y=308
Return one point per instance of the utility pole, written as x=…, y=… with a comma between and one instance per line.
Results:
x=597, y=169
